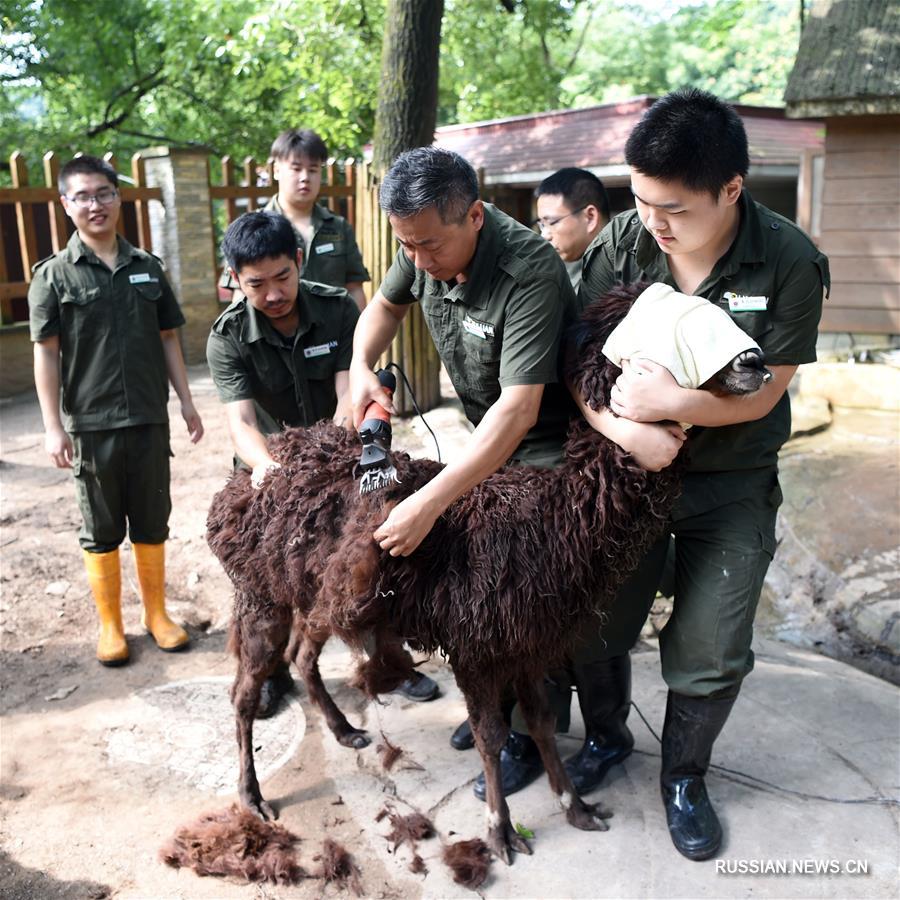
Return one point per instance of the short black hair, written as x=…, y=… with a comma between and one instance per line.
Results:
x=258, y=235
x=578, y=188
x=299, y=142
x=85, y=165
x=425, y=177
x=690, y=136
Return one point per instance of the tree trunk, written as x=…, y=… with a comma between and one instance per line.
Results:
x=407, y=97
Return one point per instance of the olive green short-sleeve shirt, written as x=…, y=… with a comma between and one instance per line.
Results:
x=113, y=369
x=290, y=380
x=332, y=258
x=501, y=327
x=771, y=282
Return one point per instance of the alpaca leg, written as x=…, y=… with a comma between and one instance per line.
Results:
x=259, y=644
x=541, y=725
x=307, y=662
x=489, y=731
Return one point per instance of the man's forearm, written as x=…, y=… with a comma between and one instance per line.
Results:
x=249, y=444
x=46, y=381
x=374, y=332
x=175, y=364
x=700, y=407
x=355, y=290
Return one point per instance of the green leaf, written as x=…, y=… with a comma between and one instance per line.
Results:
x=524, y=832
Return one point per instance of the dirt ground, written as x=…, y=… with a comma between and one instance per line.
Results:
x=54, y=816
x=88, y=790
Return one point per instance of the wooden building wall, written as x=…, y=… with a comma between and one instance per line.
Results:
x=861, y=224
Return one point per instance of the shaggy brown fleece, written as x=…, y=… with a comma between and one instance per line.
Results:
x=469, y=861
x=408, y=830
x=336, y=865
x=235, y=842
x=389, y=753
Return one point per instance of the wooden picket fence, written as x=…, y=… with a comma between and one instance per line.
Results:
x=34, y=225
x=35, y=215
x=337, y=187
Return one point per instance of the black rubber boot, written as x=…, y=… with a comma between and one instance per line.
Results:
x=691, y=727
x=462, y=738
x=418, y=687
x=604, y=695
x=520, y=764
x=273, y=689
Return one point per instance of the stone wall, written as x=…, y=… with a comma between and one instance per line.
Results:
x=182, y=234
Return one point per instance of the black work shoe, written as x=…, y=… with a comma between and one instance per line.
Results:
x=693, y=824
x=418, y=687
x=520, y=764
x=462, y=738
x=597, y=756
x=272, y=690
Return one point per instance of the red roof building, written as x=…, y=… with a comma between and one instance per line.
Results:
x=516, y=153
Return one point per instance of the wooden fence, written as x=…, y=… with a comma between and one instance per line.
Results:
x=34, y=225
x=35, y=215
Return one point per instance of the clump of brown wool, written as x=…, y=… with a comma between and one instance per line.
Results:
x=469, y=861
x=234, y=842
x=336, y=865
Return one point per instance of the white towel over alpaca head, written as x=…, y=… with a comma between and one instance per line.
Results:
x=690, y=336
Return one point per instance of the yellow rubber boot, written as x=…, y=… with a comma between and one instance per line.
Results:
x=150, y=561
x=105, y=578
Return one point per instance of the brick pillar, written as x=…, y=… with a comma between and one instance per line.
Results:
x=182, y=234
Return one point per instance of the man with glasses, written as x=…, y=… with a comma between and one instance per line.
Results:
x=572, y=209
x=496, y=300
x=103, y=321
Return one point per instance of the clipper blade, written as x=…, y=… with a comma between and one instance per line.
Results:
x=376, y=479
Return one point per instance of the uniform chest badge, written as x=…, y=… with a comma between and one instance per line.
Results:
x=319, y=349
x=483, y=330
x=745, y=302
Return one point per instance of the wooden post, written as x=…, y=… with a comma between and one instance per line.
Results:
x=6, y=314
x=228, y=178
x=348, y=180
x=250, y=181
x=24, y=215
x=141, y=207
x=111, y=159
x=330, y=172
x=58, y=231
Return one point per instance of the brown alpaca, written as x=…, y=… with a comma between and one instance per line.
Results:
x=499, y=585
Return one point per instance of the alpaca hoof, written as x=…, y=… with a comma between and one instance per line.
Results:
x=589, y=816
x=355, y=739
x=262, y=809
x=504, y=840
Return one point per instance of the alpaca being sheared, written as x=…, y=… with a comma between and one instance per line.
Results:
x=499, y=585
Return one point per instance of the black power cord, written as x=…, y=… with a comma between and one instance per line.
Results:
x=412, y=396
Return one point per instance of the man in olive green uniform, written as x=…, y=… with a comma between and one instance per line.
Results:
x=697, y=229
x=278, y=355
x=103, y=322
x=572, y=209
x=330, y=253
x=496, y=299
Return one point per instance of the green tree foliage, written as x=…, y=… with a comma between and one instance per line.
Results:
x=221, y=74
x=742, y=50
x=508, y=58
x=228, y=74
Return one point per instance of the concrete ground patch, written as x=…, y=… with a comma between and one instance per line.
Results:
x=187, y=728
